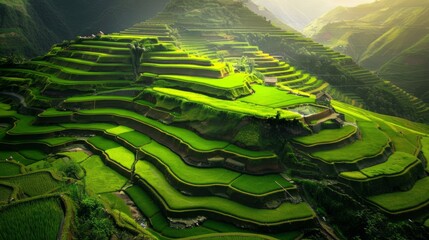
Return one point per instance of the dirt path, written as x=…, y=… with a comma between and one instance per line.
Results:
x=136, y=214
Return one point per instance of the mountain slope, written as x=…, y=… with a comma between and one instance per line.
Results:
x=30, y=27
x=386, y=36
x=299, y=13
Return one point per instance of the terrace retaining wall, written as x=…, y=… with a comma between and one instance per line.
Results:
x=387, y=183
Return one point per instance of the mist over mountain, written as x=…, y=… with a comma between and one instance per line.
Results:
x=30, y=27
x=388, y=36
x=299, y=13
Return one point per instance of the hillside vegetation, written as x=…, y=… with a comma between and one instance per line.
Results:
x=390, y=37
x=173, y=129
x=29, y=27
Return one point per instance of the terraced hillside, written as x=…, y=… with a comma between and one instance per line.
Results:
x=370, y=34
x=171, y=119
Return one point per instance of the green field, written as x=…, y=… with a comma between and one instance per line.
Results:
x=327, y=136
x=36, y=183
x=425, y=150
x=180, y=114
x=100, y=178
x=234, y=106
x=401, y=201
x=5, y=192
x=9, y=169
x=373, y=143
x=33, y=220
x=249, y=184
x=396, y=164
x=175, y=201
x=273, y=97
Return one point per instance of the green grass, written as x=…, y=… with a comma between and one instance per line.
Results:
x=16, y=156
x=5, y=106
x=273, y=97
x=373, y=142
x=5, y=193
x=401, y=201
x=34, y=220
x=122, y=156
x=119, y=130
x=249, y=184
x=136, y=139
x=230, y=82
x=175, y=201
x=33, y=154
x=233, y=106
x=24, y=126
x=9, y=169
x=427, y=223
x=188, y=173
x=402, y=139
x=222, y=227
x=56, y=141
x=260, y=184
x=327, y=136
x=187, y=136
x=103, y=143
x=88, y=126
x=78, y=156
x=40, y=165
x=116, y=202
x=249, y=153
x=52, y=112
x=143, y=201
x=98, y=98
x=216, y=67
x=148, y=207
x=347, y=109
x=100, y=178
x=36, y=183
x=425, y=150
x=396, y=164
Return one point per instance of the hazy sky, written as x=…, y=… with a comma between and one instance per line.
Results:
x=299, y=13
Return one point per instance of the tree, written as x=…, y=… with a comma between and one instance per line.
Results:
x=137, y=50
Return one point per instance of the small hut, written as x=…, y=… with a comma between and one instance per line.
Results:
x=323, y=98
x=270, y=81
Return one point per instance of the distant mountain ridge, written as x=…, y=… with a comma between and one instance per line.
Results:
x=388, y=36
x=299, y=13
x=30, y=27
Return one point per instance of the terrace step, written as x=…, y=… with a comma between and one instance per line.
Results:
x=410, y=203
x=400, y=171
x=178, y=205
x=74, y=74
x=352, y=157
x=168, y=136
x=90, y=66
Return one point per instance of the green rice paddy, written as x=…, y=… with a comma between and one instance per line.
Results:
x=327, y=136
x=32, y=220
x=425, y=150
x=373, y=142
x=9, y=169
x=234, y=106
x=36, y=183
x=275, y=98
x=100, y=178
x=401, y=201
x=175, y=201
x=5, y=192
x=166, y=81
x=396, y=164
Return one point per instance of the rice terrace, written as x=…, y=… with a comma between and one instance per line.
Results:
x=207, y=120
